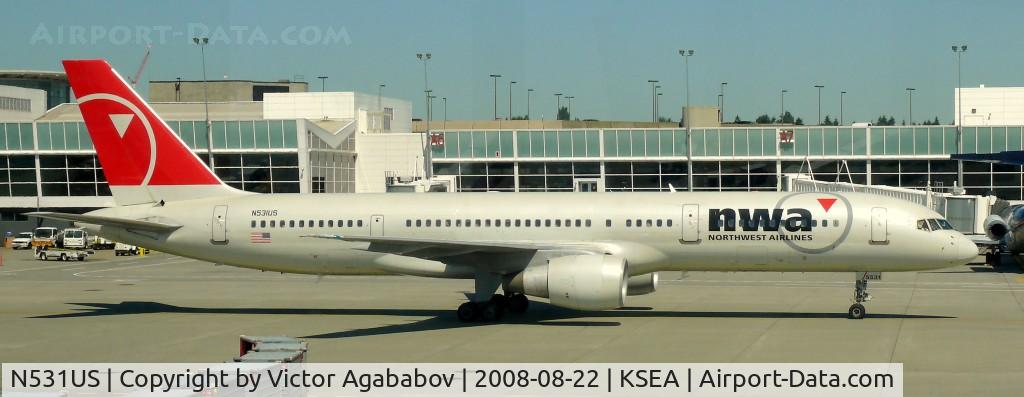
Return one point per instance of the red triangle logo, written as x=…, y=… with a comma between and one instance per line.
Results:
x=826, y=203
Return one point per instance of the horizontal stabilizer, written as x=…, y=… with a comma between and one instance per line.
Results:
x=132, y=224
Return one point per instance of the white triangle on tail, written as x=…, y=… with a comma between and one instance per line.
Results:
x=121, y=122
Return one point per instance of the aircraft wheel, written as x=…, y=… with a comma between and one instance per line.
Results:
x=467, y=312
x=491, y=311
x=857, y=311
x=518, y=303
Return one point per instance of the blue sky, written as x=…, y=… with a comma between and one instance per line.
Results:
x=601, y=52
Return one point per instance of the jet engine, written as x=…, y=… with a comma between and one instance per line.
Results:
x=643, y=284
x=582, y=282
x=996, y=227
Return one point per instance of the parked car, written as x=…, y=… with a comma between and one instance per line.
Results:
x=23, y=241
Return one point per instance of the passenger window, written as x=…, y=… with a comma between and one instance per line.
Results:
x=487, y=222
x=447, y=223
x=428, y=223
x=629, y=222
x=349, y=223
x=649, y=223
x=547, y=223
x=639, y=222
x=408, y=223
x=558, y=223
x=263, y=223
x=310, y=223
x=359, y=223
x=579, y=223
x=330, y=223
x=419, y=223
x=508, y=223
x=272, y=223
x=291, y=223
x=253, y=223
x=321, y=223
x=659, y=223
x=588, y=222
x=477, y=223
x=458, y=222
x=668, y=222
x=527, y=223
x=536, y=222
x=302, y=223
x=519, y=222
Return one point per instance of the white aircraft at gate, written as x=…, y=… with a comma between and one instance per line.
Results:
x=584, y=251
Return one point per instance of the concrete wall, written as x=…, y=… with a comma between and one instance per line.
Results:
x=989, y=106
x=379, y=154
x=336, y=105
x=37, y=105
x=219, y=91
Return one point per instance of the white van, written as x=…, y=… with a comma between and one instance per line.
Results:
x=72, y=238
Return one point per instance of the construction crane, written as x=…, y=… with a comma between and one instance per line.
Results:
x=145, y=59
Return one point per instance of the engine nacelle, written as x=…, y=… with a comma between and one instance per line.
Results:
x=582, y=282
x=642, y=285
x=996, y=227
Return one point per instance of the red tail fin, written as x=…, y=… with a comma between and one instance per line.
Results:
x=135, y=147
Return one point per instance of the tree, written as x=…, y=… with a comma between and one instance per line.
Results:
x=892, y=121
x=737, y=119
x=787, y=118
x=764, y=119
x=663, y=119
x=828, y=120
x=563, y=113
x=799, y=121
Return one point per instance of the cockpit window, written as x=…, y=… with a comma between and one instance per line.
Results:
x=934, y=223
x=945, y=224
x=922, y=224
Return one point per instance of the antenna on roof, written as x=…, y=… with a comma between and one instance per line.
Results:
x=145, y=59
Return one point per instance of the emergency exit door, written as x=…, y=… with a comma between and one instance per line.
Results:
x=377, y=226
x=219, y=224
x=879, y=225
x=691, y=223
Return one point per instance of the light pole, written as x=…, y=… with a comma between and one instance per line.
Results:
x=686, y=54
x=657, y=106
x=431, y=99
x=910, y=104
x=959, y=115
x=202, y=42
x=495, y=77
x=380, y=88
x=841, y=93
x=528, y=92
x=654, y=97
x=721, y=103
x=426, y=89
x=569, y=110
x=558, y=105
x=323, y=87
x=510, y=100
x=782, y=105
x=444, y=107
x=819, y=87
x=323, y=83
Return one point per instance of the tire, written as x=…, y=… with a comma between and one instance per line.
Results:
x=81, y=258
x=467, y=312
x=42, y=256
x=63, y=257
x=518, y=303
x=857, y=311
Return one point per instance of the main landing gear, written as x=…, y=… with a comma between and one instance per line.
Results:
x=861, y=295
x=483, y=309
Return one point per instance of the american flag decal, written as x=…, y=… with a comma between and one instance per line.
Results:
x=259, y=237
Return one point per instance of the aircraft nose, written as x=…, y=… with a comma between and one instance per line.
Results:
x=966, y=250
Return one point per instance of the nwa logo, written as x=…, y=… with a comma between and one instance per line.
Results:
x=760, y=219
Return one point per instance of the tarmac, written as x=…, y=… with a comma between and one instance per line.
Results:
x=958, y=331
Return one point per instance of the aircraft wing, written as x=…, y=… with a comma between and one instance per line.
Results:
x=108, y=221
x=434, y=249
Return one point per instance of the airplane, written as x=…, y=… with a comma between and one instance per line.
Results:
x=1006, y=228
x=584, y=251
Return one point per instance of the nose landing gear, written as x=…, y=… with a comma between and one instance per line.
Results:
x=861, y=295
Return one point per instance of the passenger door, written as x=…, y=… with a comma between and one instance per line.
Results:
x=690, y=223
x=219, y=224
x=879, y=225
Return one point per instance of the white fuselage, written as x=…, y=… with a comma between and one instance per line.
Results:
x=678, y=231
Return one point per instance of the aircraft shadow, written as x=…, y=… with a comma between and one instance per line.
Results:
x=540, y=313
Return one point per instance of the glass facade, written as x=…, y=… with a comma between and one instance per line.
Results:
x=723, y=159
x=332, y=170
x=253, y=155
